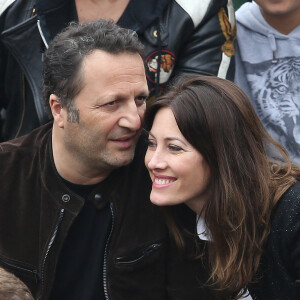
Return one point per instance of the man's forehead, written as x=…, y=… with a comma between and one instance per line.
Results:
x=113, y=76
x=113, y=58
x=123, y=67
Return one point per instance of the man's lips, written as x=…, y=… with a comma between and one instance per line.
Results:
x=124, y=141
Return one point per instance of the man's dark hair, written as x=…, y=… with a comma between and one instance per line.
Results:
x=63, y=59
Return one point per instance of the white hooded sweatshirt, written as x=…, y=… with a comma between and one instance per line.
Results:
x=268, y=70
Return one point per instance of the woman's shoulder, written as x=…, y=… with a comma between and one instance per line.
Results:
x=280, y=265
x=291, y=197
x=287, y=211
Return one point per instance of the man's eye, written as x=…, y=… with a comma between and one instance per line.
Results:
x=141, y=99
x=112, y=103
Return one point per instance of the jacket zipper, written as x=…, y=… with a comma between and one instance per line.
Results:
x=41, y=33
x=105, y=254
x=22, y=269
x=58, y=222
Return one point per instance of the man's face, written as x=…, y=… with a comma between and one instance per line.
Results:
x=111, y=106
x=278, y=7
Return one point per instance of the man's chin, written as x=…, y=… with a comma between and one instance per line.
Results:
x=123, y=161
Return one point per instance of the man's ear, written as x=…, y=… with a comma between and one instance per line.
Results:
x=57, y=110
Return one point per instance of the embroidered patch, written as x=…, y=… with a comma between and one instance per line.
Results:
x=167, y=63
x=228, y=32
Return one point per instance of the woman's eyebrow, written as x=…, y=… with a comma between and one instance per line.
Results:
x=172, y=138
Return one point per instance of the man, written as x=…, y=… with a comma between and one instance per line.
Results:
x=267, y=66
x=180, y=36
x=75, y=221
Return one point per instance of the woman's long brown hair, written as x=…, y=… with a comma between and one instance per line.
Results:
x=218, y=119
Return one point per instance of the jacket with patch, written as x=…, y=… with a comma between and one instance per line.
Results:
x=180, y=36
x=37, y=211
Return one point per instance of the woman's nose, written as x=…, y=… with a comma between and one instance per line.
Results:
x=155, y=160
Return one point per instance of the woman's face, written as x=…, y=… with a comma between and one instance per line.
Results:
x=279, y=7
x=178, y=171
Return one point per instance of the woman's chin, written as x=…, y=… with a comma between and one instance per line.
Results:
x=156, y=201
x=161, y=201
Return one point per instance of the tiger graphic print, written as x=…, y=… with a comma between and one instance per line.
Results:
x=276, y=98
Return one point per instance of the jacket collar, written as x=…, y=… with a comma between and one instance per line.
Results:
x=137, y=16
x=54, y=15
x=61, y=194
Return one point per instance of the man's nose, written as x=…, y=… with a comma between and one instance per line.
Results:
x=132, y=117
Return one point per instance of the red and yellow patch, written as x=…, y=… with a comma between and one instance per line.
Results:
x=228, y=32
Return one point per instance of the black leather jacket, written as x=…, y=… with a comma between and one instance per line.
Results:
x=180, y=36
x=37, y=210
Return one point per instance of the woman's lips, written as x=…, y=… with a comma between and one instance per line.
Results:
x=162, y=181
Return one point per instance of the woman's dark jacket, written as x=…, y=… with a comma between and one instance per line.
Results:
x=278, y=276
x=37, y=211
x=279, y=271
x=180, y=36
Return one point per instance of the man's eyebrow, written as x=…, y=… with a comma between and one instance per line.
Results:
x=144, y=93
x=120, y=95
x=109, y=97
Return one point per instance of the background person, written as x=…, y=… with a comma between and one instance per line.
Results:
x=12, y=288
x=268, y=66
x=238, y=3
x=202, y=42
x=75, y=218
x=232, y=207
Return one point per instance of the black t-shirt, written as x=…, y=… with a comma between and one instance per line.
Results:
x=79, y=273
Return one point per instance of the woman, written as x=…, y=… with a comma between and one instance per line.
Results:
x=208, y=150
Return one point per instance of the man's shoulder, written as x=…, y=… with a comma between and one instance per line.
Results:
x=14, y=12
x=28, y=143
x=23, y=161
x=4, y=4
x=198, y=9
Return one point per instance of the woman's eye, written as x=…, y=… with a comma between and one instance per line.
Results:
x=150, y=143
x=175, y=148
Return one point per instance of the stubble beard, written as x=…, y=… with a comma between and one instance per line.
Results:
x=93, y=157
